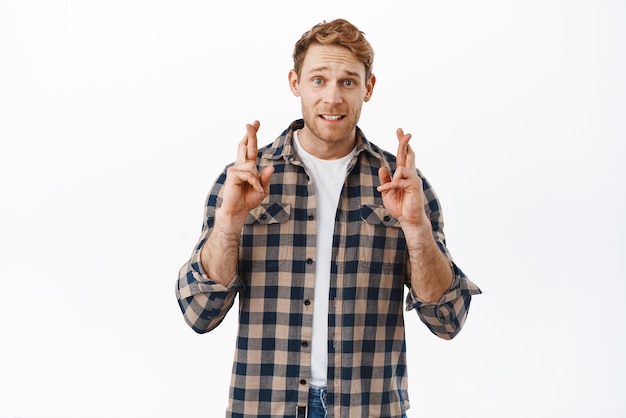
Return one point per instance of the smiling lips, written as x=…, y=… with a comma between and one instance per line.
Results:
x=331, y=117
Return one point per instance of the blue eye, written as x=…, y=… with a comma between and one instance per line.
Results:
x=317, y=80
x=348, y=83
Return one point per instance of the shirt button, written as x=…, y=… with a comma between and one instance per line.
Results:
x=303, y=382
x=311, y=217
x=387, y=218
x=307, y=302
x=263, y=217
x=309, y=261
x=305, y=344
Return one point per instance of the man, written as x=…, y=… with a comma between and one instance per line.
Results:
x=319, y=233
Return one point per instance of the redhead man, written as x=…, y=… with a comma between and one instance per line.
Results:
x=319, y=235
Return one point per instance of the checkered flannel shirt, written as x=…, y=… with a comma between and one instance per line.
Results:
x=367, y=373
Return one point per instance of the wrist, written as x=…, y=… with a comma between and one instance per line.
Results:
x=227, y=223
x=416, y=235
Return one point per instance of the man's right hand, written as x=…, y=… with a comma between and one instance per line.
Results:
x=244, y=188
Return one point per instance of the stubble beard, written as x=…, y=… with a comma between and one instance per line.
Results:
x=342, y=133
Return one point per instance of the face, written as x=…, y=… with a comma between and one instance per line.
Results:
x=332, y=88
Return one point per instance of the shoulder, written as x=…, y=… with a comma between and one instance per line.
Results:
x=375, y=154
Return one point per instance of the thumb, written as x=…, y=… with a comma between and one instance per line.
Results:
x=265, y=177
x=384, y=175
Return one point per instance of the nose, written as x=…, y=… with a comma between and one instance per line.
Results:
x=332, y=94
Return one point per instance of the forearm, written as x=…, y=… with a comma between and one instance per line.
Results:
x=207, y=283
x=440, y=292
x=431, y=274
x=220, y=253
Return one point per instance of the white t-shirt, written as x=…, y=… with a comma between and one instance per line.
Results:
x=328, y=178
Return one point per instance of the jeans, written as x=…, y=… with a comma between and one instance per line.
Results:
x=317, y=403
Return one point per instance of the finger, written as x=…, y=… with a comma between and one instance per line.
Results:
x=261, y=182
x=404, y=173
x=247, y=148
x=251, y=145
x=399, y=183
x=255, y=183
x=265, y=178
x=242, y=148
x=410, y=158
x=239, y=175
x=387, y=187
x=403, y=142
x=384, y=175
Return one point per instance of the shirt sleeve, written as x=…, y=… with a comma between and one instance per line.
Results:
x=446, y=317
x=204, y=302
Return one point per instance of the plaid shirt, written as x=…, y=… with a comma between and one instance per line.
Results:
x=367, y=374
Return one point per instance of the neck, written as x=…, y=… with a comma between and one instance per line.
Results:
x=326, y=149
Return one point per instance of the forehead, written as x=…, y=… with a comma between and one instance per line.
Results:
x=332, y=58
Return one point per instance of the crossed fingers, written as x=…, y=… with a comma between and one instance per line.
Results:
x=405, y=165
x=248, y=148
x=405, y=156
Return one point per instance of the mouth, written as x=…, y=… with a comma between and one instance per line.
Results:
x=332, y=117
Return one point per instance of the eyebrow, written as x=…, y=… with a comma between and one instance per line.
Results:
x=325, y=68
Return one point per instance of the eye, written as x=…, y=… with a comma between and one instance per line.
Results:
x=317, y=80
x=348, y=83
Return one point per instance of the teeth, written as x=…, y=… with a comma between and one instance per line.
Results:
x=327, y=117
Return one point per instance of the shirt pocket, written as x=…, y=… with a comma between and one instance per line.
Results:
x=382, y=246
x=267, y=237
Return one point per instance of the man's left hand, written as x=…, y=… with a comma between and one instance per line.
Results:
x=402, y=194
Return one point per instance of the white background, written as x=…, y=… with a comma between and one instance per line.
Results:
x=117, y=116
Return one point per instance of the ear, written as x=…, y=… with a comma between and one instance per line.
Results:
x=369, y=88
x=293, y=83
